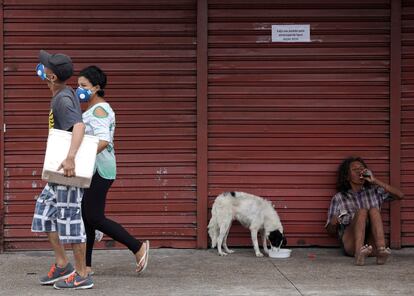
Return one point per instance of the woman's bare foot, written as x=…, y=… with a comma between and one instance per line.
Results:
x=89, y=270
x=382, y=255
x=141, y=252
x=360, y=256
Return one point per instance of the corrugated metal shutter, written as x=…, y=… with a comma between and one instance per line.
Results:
x=282, y=116
x=148, y=49
x=407, y=128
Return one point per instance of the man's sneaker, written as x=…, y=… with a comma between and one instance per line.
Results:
x=57, y=273
x=75, y=281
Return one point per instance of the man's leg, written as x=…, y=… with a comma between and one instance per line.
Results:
x=62, y=269
x=79, y=251
x=81, y=279
x=70, y=199
x=45, y=221
x=60, y=254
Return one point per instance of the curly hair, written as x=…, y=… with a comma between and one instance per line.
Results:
x=96, y=77
x=342, y=183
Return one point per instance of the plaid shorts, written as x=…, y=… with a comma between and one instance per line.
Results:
x=58, y=208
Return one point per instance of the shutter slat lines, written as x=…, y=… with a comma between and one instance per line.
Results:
x=148, y=50
x=407, y=127
x=283, y=115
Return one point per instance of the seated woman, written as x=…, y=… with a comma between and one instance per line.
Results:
x=355, y=211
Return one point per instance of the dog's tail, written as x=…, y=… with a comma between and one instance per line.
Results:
x=213, y=225
x=221, y=216
x=213, y=229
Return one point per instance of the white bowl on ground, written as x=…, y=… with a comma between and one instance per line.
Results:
x=279, y=253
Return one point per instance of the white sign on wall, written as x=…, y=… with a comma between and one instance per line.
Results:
x=291, y=33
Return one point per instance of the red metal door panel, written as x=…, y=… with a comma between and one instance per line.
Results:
x=1, y=132
x=283, y=115
x=148, y=49
x=407, y=124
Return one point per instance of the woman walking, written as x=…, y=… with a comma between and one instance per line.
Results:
x=99, y=119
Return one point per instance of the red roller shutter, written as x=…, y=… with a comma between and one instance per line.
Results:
x=148, y=49
x=282, y=116
x=407, y=128
x=1, y=134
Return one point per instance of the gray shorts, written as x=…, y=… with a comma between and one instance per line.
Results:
x=58, y=208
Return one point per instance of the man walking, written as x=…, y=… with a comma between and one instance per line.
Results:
x=58, y=208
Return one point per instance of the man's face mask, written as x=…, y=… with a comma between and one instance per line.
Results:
x=84, y=95
x=40, y=71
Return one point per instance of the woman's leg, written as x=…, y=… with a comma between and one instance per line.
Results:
x=95, y=214
x=354, y=236
x=377, y=228
x=377, y=231
x=87, y=205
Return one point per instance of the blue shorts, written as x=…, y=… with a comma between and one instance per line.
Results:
x=58, y=208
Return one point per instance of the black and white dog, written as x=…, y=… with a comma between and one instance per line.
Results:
x=252, y=212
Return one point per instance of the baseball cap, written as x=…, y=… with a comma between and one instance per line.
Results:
x=60, y=64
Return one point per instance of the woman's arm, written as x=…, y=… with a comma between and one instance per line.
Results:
x=395, y=192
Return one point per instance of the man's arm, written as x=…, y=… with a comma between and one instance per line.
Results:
x=102, y=145
x=68, y=164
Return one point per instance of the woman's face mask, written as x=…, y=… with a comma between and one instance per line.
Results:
x=83, y=94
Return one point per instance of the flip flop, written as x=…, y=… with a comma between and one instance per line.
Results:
x=144, y=258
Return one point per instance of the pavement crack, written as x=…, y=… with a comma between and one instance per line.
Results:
x=286, y=278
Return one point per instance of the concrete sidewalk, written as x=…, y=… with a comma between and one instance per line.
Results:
x=203, y=272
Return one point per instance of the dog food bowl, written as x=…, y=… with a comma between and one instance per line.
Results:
x=279, y=253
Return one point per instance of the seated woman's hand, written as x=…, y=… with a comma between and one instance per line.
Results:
x=332, y=227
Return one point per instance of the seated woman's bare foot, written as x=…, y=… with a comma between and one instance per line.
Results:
x=360, y=256
x=382, y=255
